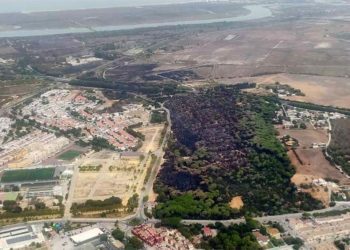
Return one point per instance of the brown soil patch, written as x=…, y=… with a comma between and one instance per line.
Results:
x=324, y=90
x=315, y=164
x=152, y=137
x=320, y=193
x=236, y=202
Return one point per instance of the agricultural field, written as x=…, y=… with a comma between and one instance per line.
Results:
x=28, y=175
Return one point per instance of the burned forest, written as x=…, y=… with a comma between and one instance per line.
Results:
x=224, y=145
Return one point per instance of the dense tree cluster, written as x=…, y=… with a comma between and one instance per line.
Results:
x=224, y=145
x=96, y=205
x=158, y=116
x=339, y=148
x=235, y=236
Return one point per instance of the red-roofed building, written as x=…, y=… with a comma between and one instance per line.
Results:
x=148, y=234
x=207, y=232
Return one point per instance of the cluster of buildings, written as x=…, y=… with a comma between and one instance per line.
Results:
x=5, y=126
x=76, y=61
x=318, y=231
x=21, y=237
x=162, y=238
x=97, y=236
x=318, y=119
x=31, y=149
x=66, y=110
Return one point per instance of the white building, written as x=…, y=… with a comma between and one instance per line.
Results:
x=86, y=236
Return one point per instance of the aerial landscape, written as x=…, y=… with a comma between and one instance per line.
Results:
x=177, y=124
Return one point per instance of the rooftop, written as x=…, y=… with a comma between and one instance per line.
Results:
x=87, y=235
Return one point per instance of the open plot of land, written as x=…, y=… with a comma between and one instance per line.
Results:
x=119, y=176
x=316, y=165
x=306, y=136
x=312, y=164
x=152, y=137
x=116, y=177
x=323, y=90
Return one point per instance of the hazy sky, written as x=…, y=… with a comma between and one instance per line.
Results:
x=46, y=5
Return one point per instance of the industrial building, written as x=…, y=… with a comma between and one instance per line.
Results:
x=86, y=236
x=20, y=237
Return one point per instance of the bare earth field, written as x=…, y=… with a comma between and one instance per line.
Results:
x=306, y=136
x=333, y=91
x=115, y=178
x=314, y=165
x=152, y=137
x=118, y=176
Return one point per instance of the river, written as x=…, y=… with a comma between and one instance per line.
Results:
x=9, y=6
x=256, y=12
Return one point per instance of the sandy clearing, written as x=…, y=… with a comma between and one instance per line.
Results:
x=236, y=202
x=323, y=90
x=315, y=164
x=334, y=91
x=152, y=137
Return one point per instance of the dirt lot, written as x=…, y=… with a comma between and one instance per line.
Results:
x=334, y=91
x=313, y=164
x=121, y=177
x=306, y=137
x=116, y=177
x=152, y=134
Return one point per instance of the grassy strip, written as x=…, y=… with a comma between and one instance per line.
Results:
x=28, y=175
x=69, y=155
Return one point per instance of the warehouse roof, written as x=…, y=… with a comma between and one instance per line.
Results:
x=86, y=236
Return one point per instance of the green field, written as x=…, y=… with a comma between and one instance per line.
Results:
x=69, y=155
x=28, y=175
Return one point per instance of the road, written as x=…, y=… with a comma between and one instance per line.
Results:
x=281, y=218
x=159, y=153
x=69, y=201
